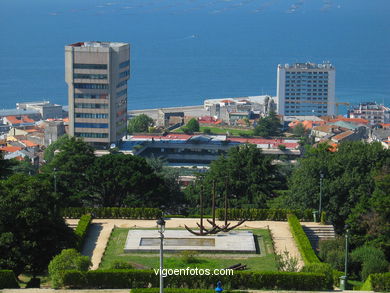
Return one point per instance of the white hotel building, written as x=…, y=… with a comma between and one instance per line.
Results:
x=305, y=89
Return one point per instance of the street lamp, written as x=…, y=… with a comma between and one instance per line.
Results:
x=344, y=279
x=320, y=206
x=161, y=224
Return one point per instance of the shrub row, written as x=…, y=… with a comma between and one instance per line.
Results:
x=179, y=290
x=321, y=268
x=112, y=213
x=302, y=241
x=8, y=279
x=82, y=229
x=120, y=279
x=377, y=283
x=264, y=214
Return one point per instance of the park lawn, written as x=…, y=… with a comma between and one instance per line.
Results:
x=259, y=262
x=222, y=130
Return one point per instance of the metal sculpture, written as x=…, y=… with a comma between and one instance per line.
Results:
x=214, y=227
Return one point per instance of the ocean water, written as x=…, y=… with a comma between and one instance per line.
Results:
x=184, y=51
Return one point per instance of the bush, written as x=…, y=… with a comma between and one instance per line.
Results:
x=120, y=279
x=323, y=218
x=113, y=213
x=8, y=279
x=179, y=290
x=321, y=268
x=368, y=260
x=189, y=256
x=34, y=283
x=302, y=241
x=263, y=214
x=68, y=259
x=377, y=283
x=332, y=252
x=121, y=265
x=82, y=230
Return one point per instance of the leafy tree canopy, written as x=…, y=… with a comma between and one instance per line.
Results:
x=68, y=168
x=268, y=126
x=140, y=123
x=123, y=180
x=31, y=229
x=245, y=173
x=192, y=125
x=355, y=184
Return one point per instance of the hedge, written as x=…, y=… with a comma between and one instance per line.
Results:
x=8, y=279
x=82, y=230
x=321, y=268
x=120, y=279
x=179, y=290
x=264, y=214
x=302, y=241
x=377, y=283
x=113, y=213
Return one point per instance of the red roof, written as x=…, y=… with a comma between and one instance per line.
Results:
x=171, y=136
x=29, y=143
x=272, y=142
x=10, y=149
x=19, y=119
x=342, y=135
x=352, y=120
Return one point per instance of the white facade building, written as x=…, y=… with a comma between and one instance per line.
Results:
x=97, y=75
x=373, y=112
x=306, y=89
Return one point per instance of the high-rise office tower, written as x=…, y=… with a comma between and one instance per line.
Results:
x=97, y=75
x=306, y=89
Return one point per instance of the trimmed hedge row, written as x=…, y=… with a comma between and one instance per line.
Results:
x=8, y=279
x=377, y=283
x=113, y=213
x=82, y=230
x=302, y=241
x=179, y=290
x=264, y=214
x=120, y=279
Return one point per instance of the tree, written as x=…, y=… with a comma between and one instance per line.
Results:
x=68, y=259
x=32, y=230
x=24, y=167
x=68, y=168
x=122, y=180
x=140, y=123
x=193, y=125
x=49, y=152
x=6, y=166
x=246, y=173
x=268, y=126
x=299, y=130
x=348, y=181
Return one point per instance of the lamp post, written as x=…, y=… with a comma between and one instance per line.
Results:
x=55, y=181
x=320, y=205
x=161, y=224
x=344, y=279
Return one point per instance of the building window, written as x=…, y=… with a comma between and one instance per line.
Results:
x=90, y=86
x=89, y=66
x=89, y=96
x=124, y=74
x=90, y=76
x=91, y=135
x=124, y=64
x=90, y=106
x=122, y=83
x=91, y=125
x=121, y=93
x=91, y=115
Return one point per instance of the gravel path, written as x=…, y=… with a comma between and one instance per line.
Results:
x=101, y=229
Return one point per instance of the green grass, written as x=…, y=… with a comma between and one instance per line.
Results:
x=263, y=262
x=222, y=130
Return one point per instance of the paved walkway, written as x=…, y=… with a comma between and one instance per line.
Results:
x=101, y=229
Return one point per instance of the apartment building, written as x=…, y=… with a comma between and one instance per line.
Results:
x=305, y=89
x=97, y=75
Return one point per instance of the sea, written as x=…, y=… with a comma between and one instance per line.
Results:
x=185, y=51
